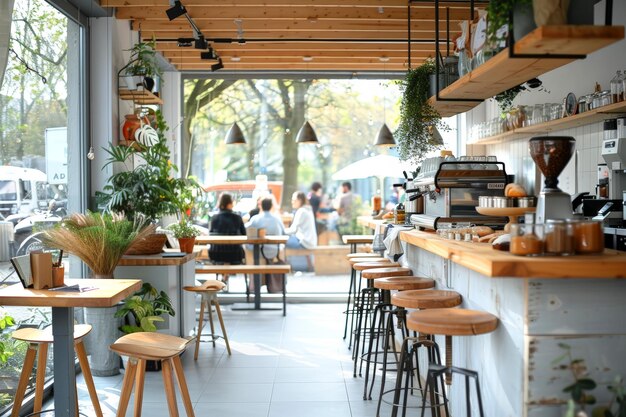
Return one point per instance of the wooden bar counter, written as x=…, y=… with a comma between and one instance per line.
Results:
x=542, y=303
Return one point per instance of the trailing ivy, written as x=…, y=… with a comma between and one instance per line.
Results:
x=505, y=98
x=417, y=116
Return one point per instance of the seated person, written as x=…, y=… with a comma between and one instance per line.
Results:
x=302, y=230
x=226, y=222
x=272, y=224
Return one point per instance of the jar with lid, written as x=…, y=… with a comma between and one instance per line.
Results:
x=588, y=236
x=582, y=104
x=617, y=88
x=606, y=98
x=525, y=240
x=559, y=237
x=595, y=101
x=399, y=214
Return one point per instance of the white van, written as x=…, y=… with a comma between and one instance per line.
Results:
x=22, y=190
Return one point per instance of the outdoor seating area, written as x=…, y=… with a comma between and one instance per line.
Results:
x=352, y=208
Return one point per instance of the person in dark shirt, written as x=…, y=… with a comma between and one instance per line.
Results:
x=226, y=222
x=315, y=197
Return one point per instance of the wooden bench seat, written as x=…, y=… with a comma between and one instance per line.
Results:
x=327, y=260
x=243, y=269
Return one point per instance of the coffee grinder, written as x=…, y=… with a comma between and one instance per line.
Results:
x=614, y=154
x=551, y=154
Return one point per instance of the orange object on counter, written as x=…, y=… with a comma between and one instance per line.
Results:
x=589, y=237
x=377, y=203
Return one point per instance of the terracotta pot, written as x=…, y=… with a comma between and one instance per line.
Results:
x=132, y=123
x=186, y=244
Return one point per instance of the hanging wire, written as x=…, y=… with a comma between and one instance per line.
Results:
x=28, y=67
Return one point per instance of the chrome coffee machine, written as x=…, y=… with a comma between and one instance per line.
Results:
x=614, y=154
x=451, y=189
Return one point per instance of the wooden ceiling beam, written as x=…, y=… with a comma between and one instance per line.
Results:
x=361, y=35
x=265, y=47
x=299, y=54
x=283, y=3
x=199, y=13
x=295, y=60
x=237, y=66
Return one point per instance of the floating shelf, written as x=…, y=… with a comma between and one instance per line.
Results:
x=503, y=72
x=140, y=96
x=577, y=120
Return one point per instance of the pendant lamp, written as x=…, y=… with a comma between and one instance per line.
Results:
x=235, y=136
x=306, y=134
x=385, y=138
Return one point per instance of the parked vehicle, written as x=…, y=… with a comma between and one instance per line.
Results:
x=22, y=190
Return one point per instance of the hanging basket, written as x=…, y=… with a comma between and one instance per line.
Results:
x=150, y=245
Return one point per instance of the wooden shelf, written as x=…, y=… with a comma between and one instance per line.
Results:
x=577, y=120
x=502, y=72
x=140, y=96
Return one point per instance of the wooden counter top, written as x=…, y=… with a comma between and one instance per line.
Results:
x=155, y=260
x=368, y=221
x=480, y=257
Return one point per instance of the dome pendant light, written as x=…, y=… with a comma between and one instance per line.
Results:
x=306, y=134
x=235, y=136
x=385, y=137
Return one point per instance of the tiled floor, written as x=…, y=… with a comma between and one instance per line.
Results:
x=297, y=365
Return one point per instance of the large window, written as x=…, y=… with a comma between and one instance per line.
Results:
x=41, y=135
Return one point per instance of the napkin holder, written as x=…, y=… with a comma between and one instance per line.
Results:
x=41, y=267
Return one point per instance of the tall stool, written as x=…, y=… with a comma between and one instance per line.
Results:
x=143, y=346
x=421, y=300
x=352, y=288
x=451, y=322
x=386, y=326
x=208, y=291
x=355, y=290
x=38, y=343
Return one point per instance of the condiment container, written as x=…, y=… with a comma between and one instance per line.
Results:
x=525, y=201
x=605, y=98
x=558, y=237
x=588, y=236
x=524, y=239
x=399, y=214
x=377, y=203
x=501, y=202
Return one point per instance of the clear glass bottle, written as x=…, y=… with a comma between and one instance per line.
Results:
x=617, y=87
x=622, y=83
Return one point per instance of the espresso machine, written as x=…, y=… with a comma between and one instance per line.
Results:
x=614, y=154
x=551, y=154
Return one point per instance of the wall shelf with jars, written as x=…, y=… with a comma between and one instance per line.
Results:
x=503, y=72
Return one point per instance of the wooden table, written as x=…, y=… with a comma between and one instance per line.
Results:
x=354, y=240
x=108, y=293
x=256, y=242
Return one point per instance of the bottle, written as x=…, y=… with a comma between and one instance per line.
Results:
x=399, y=214
x=617, y=88
x=622, y=83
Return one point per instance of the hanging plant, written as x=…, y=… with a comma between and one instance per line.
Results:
x=505, y=98
x=417, y=117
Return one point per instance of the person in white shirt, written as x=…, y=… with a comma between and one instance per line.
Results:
x=272, y=224
x=302, y=230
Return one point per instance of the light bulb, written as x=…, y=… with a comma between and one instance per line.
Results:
x=91, y=155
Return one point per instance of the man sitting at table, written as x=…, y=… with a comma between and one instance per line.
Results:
x=272, y=224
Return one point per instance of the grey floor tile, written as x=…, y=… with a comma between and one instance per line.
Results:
x=237, y=393
x=310, y=392
x=236, y=409
x=308, y=374
x=310, y=409
x=243, y=375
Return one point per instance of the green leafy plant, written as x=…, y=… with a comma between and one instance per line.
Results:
x=498, y=13
x=99, y=240
x=143, y=60
x=417, y=117
x=505, y=98
x=148, y=188
x=5, y=347
x=183, y=229
x=145, y=307
x=580, y=389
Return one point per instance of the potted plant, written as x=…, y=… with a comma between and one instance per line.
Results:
x=417, y=117
x=186, y=234
x=147, y=188
x=142, y=67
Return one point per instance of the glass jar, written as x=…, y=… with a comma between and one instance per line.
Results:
x=464, y=62
x=588, y=237
x=537, y=113
x=617, y=88
x=605, y=98
x=559, y=238
x=582, y=104
x=399, y=214
x=377, y=204
x=525, y=240
x=595, y=101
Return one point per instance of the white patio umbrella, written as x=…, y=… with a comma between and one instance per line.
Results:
x=380, y=166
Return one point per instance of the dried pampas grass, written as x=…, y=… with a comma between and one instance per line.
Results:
x=99, y=240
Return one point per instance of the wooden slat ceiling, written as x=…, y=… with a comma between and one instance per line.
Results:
x=342, y=35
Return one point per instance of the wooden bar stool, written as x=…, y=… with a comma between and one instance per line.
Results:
x=363, y=255
x=38, y=343
x=143, y=346
x=354, y=291
x=450, y=322
x=208, y=292
x=422, y=300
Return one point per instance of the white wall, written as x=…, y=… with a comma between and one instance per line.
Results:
x=578, y=77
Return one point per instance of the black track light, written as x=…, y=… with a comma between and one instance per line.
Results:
x=185, y=42
x=217, y=66
x=176, y=11
x=209, y=54
x=200, y=43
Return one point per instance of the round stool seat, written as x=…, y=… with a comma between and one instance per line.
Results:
x=360, y=260
x=404, y=283
x=425, y=299
x=361, y=266
x=149, y=345
x=45, y=336
x=207, y=286
x=362, y=255
x=452, y=322
x=385, y=272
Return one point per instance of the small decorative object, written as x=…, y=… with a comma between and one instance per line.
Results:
x=41, y=267
x=570, y=105
x=186, y=234
x=146, y=135
x=132, y=123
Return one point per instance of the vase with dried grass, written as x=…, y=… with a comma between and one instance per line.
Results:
x=99, y=240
